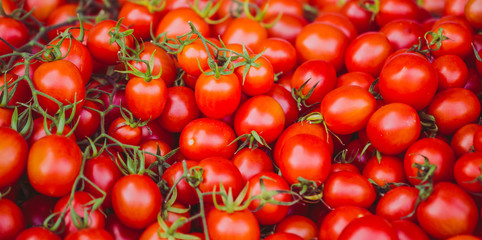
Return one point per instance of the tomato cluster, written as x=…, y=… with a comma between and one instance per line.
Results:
x=238, y=119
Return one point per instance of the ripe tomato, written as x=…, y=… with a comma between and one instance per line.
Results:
x=339, y=21
x=338, y=219
x=438, y=153
x=61, y=80
x=262, y=114
x=193, y=58
x=78, y=54
x=347, y=109
x=288, y=27
x=100, y=47
x=361, y=79
x=186, y=194
x=13, y=156
x=283, y=236
x=161, y=60
x=14, y=32
x=245, y=31
x=451, y=71
x=280, y=53
x=42, y=9
x=258, y=80
x=250, y=162
x=472, y=12
x=463, y=140
x=124, y=133
x=403, y=33
x=91, y=234
x=53, y=165
x=467, y=172
x=348, y=188
x=448, y=211
x=286, y=101
x=457, y=42
x=398, y=203
x=221, y=225
x=205, y=137
x=393, y=128
x=217, y=97
x=119, y=231
x=407, y=230
x=136, y=200
x=217, y=171
x=180, y=109
x=38, y=130
x=140, y=18
x=175, y=23
x=146, y=99
x=384, y=171
x=298, y=225
x=269, y=214
x=37, y=208
x=89, y=120
x=37, y=233
x=454, y=108
x=95, y=219
x=367, y=227
x=104, y=173
x=320, y=75
x=389, y=10
x=12, y=219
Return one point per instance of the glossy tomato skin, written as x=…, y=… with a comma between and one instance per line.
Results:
x=269, y=214
x=122, y=132
x=407, y=230
x=136, y=200
x=316, y=72
x=293, y=162
x=245, y=31
x=192, y=54
x=286, y=101
x=434, y=218
x=262, y=114
x=220, y=225
x=340, y=21
x=472, y=12
x=100, y=47
x=338, y=219
x=186, y=194
x=298, y=225
x=119, y=231
x=161, y=61
x=348, y=188
x=437, y=151
x=283, y=236
x=390, y=10
x=12, y=219
x=280, y=53
x=368, y=227
x=13, y=156
x=180, y=109
x=347, y=109
x=51, y=159
x=322, y=41
x=37, y=233
x=367, y=53
x=175, y=23
x=403, y=33
x=385, y=171
x=78, y=54
x=104, y=173
x=42, y=9
x=454, y=108
x=410, y=79
x=79, y=203
x=139, y=18
x=393, y=128
x=91, y=234
x=12, y=31
x=22, y=91
x=61, y=80
x=463, y=140
x=361, y=79
x=288, y=27
x=259, y=79
x=217, y=171
x=458, y=42
x=467, y=169
x=217, y=98
x=146, y=99
x=251, y=162
x=205, y=137
x=451, y=70
x=398, y=203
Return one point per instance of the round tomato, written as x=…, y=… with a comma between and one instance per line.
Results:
x=468, y=172
x=12, y=31
x=338, y=219
x=13, y=156
x=103, y=172
x=369, y=227
x=37, y=233
x=463, y=140
x=91, y=234
x=217, y=171
x=319, y=75
x=451, y=70
x=298, y=225
x=239, y=225
x=99, y=43
x=385, y=171
x=398, y=203
x=348, y=188
x=146, y=99
x=140, y=18
x=12, y=219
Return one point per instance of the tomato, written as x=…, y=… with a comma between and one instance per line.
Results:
x=269, y=214
x=463, y=140
x=367, y=53
x=288, y=27
x=245, y=31
x=407, y=230
x=283, y=236
x=175, y=23
x=348, y=188
x=398, y=203
x=61, y=80
x=37, y=208
x=124, y=133
x=458, y=42
x=37, y=233
x=403, y=33
x=91, y=234
x=338, y=219
x=389, y=10
x=285, y=6
x=206, y=137
x=140, y=18
x=180, y=109
x=136, y=200
x=80, y=204
x=477, y=140
x=186, y=194
x=454, y=7
x=322, y=41
x=153, y=131
x=258, y=80
x=152, y=146
x=14, y=32
x=347, y=109
x=298, y=225
x=438, y=153
x=384, y=171
x=60, y=15
x=38, y=130
x=370, y=226
x=468, y=170
x=13, y=156
x=12, y=219
x=89, y=120
x=78, y=54
x=42, y=9
x=220, y=225
x=454, y=108
x=360, y=79
x=286, y=101
x=99, y=44
x=319, y=74
x=294, y=153
x=448, y=211
x=161, y=60
x=262, y=114
x=217, y=97
x=217, y=171
x=173, y=216
x=193, y=58
x=451, y=71
x=104, y=173
x=119, y=231
x=280, y=53
x=472, y=12
x=5, y=117
x=339, y=21
x=146, y=99
x=250, y=162
x=53, y=165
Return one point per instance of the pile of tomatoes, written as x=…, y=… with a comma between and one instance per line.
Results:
x=237, y=119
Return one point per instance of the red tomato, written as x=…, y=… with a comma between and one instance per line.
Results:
x=361, y=79
x=175, y=23
x=457, y=42
x=448, y=211
x=393, y=128
x=454, y=108
x=245, y=31
x=338, y=219
x=91, y=234
x=89, y=120
x=298, y=225
x=217, y=171
x=258, y=80
x=22, y=91
x=283, y=236
x=136, y=200
x=5, y=117
x=286, y=101
x=367, y=227
x=472, y=12
x=454, y=7
x=407, y=230
x=146, y=99
x=288, y=27
x=13, y=156
x=186, y=194
x=193, y=58
x=205, y=137
x=403, y=33
x=124, y=133
x=398, y=203
x=42, y=9
x=119, y=231
x=389, y=10
x=140, y=18
x=100, y=47
x=262, y=114
x=250, y=162
x=315, y=72
x=221, y=225
x=360, y=17
x=37, y=233
x=280, y=53
x=152, y=146
x=468, y=172
x=37, y=208
x=78, y=54
x=339, y=21
x=180, y=109
x=384, y=171
x=438, y=153
x=348, y=188
x=53, y=165
x=451, y=71
x=14, y=32
x=12, y=219
x=161, y=61
x=463, y=139
x=104, y=173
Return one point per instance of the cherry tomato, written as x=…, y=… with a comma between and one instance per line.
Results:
x=175, y=23
x=91, y=234
x=37, y=208
x=468, y=170
x=186, y=194
x=14, y=32
x=146, y=99
x=217, y=171
x=161, y=60
x=348, y=188
x=451, y=71
x=103, y=172
x=37, y=233
x=385, y=171
x=280, y=53
x=403, y=33
x=398, y=204
x=99, y=44
x=298, y=225
x=221, y=225
x=245, y=31
x=407, y=230
x=338, y=219
x=13, y=156
x=12, y=219
x=389, y=10
x=463, y=140
x=258, y=79
x=140, y=18
x=250, y=162
x=319, y=74
x=78, y=54
x=119, y=231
